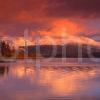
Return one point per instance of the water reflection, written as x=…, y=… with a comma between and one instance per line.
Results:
x=26, y=82
x=4, y=70
x=62, y=82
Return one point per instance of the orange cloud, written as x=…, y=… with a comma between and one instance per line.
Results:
x=60, y=27
x=21, y=42
x=64, y=31
x=70, y=26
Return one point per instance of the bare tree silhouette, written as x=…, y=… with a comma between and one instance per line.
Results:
x=6, y=49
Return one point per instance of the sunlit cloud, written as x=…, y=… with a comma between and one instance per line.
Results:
x=50, y=20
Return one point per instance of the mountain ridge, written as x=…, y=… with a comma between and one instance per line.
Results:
x=66, y=51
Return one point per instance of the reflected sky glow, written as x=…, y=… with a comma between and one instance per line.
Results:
x=28, y=82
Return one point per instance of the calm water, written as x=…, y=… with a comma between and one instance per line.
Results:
x=50, y=80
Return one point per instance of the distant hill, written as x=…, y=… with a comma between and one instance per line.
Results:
x=64, y=51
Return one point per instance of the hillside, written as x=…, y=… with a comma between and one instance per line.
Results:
x=65, y=51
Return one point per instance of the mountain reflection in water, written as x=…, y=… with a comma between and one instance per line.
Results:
x=19, y=81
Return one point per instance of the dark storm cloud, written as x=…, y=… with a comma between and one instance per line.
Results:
x=71, y=8
x=9, y=9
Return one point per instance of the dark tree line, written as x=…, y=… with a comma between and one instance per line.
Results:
x=6, y=49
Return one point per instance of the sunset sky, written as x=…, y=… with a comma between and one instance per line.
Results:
x=50, y=20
